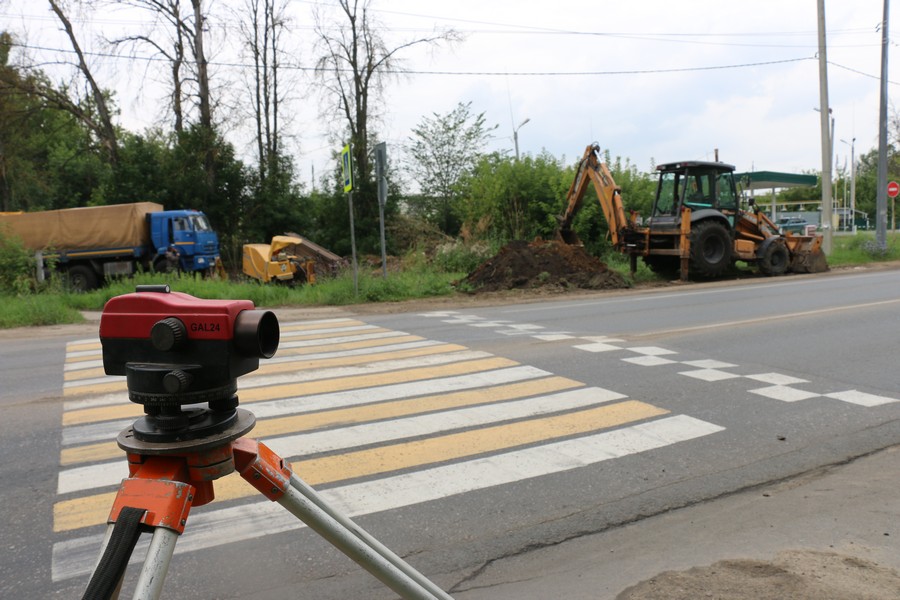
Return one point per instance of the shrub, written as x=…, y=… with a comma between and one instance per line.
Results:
x=16, y=266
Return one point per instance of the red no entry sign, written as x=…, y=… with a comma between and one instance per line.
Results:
x=893, y=189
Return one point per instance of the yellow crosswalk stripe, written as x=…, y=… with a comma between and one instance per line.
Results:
x=84, y=374
x=83, y=346
x=339, y=346
x=322, y=325
x=340, y=361
x=323, y=336
x=289, y=390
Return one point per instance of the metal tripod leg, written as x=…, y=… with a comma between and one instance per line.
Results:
x=268, y=473
x=386, y=553
x=156, y=564
x=302, y=501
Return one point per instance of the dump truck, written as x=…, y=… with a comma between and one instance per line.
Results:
x=87, y=245
x=696, y=227
x=289, y=259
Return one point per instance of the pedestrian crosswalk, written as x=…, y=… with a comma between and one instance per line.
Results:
x=375, y=418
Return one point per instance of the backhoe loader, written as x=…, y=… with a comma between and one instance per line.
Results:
x=696, y=226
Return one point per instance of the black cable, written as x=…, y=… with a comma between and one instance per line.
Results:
x=116, y=556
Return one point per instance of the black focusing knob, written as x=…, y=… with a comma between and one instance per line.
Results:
x=177, y=381
x=168, y=334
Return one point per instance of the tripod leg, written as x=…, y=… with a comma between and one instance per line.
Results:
x=347, y=542
x=269, y=474
x=383, y=551
x=119, y=544
x=156, y=564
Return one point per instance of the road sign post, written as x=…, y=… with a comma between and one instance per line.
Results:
x=381, y=181
x=893, y=189
x=347, y=173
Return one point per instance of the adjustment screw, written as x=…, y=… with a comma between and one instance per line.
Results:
x=177, y=381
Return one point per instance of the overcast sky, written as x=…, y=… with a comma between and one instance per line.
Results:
x=649, y=80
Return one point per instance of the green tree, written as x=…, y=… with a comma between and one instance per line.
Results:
x=48, y=157
x=442, y=150
x=354, y=65
x=223, y=198
x=505, y=199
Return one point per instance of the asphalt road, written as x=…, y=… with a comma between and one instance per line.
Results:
x=629, y=404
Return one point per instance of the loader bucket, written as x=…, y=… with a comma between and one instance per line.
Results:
x=568, y=236
x=806, y=254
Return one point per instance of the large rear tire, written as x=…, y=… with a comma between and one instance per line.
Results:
x=80, y=278
x=711, y=249
x=775, y=260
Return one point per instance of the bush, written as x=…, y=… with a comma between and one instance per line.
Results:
x=16, y=265
x=458, y=257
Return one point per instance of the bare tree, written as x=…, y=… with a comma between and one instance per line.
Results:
x=261, y=30
x=197, y=47
x=181, y=41
x=172, y=47
x=353, y=66
x=102, y=126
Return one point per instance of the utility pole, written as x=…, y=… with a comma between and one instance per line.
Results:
x=881, y=195
x=824, y=112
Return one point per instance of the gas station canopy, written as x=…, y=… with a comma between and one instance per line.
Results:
x=769, y=180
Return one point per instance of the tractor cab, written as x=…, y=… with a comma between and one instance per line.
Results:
x=706, y=188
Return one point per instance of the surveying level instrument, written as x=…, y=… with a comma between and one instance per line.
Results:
x=181, y=357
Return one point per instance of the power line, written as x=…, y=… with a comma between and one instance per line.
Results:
x=448, y=73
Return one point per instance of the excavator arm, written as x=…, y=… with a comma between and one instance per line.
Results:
x=592, y=170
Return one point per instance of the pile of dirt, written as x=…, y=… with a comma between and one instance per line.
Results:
x=524, y=265
x=793, y=574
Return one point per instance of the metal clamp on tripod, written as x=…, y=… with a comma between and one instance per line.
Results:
x=181, y=357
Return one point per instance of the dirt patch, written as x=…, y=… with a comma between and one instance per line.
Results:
x=793, y=574
x=527, y=265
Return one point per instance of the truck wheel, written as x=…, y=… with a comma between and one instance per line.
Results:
x=161, y=265
x=775, y=260
x=80, y=279
x=710, y=249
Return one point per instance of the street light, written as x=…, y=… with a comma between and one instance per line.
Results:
x=516, y=136
x=852, y=145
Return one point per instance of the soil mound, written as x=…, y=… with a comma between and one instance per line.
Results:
x=542, y=263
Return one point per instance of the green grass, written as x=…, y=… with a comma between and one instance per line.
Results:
x=36, y=310
x=54, y=306
x=861, y=249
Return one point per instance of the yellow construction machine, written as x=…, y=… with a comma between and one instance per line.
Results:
x=696, y=226
x=288, y=259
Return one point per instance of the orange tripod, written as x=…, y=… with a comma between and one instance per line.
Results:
x=167, y=479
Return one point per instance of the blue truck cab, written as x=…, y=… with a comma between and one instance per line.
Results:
x=190, y=233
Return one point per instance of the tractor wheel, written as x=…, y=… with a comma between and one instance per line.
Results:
x=162, y=265
x=710, y=249
x=80, y=278
x=664, y=266
x=775, y=260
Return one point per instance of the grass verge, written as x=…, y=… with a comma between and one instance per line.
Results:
x=57, y=307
